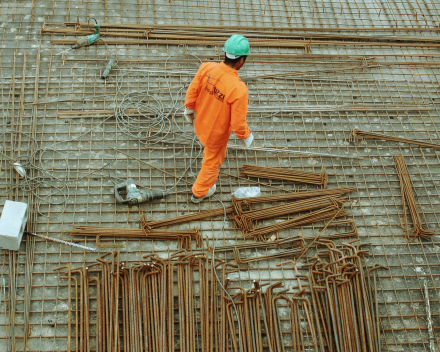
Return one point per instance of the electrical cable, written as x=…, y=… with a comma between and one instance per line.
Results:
x=47, y=178
x=160, y=121
x=278, y=90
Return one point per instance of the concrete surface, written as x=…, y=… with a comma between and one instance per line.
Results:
x=73, y=187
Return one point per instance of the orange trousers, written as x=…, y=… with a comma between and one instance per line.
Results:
x=212, y=160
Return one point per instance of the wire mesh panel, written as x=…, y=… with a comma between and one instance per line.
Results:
x=77, y=135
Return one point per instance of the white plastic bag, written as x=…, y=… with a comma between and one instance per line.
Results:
x=247, y=192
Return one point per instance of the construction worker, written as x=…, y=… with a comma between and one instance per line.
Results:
x=216, y=102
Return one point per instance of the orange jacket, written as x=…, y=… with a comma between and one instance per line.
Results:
x=220, y=100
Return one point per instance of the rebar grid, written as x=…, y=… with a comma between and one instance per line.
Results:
x=341, y=13
x=31, y=72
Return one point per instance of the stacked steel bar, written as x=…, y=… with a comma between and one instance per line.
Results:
x=342, y=301
x=335, y=192
x=246, y=221
x=243, y=206
x=409, y=199
x=362, y=135
x=148, y=225
x=294, y=245
x=290, y=242
x=285, y=174
x=285, y=243
x=322, y=214
x=184, y=237
x=258, y=36
x=138, y=307
x=257, y=315
x=338, y=303
x=278, y=254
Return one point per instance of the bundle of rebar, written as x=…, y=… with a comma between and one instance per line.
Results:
x=340, y=288
x=246, y=221
x=338, y=302
x=274, y=173
x=278, y=254
x=331, y=309
x=175, y=303
x=408, y=198
x=183, y=237
x=148, y=225
x=149, y=306
x=322, y=214
x=258, y=36
x=335, y=192
x=293, y=245
x=296, y=241
x=362, y=135
x=258, y=317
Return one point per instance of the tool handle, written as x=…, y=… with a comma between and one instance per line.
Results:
x=143, y=196
x=157, y=195
x=120, y=187
x=86, y=41
x=82, y=42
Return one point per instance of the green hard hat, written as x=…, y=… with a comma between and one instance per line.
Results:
x=236, y=45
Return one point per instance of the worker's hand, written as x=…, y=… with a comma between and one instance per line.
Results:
x=190, y=115
x=248, y=141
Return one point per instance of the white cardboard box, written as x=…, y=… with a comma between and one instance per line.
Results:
x=12, y=224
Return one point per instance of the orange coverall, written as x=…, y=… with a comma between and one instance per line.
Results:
x=220, y=100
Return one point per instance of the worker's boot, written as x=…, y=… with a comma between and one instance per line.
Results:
x=211, y=191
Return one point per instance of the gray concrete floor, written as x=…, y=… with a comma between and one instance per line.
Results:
x=72, y=146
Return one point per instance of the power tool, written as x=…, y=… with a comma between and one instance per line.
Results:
x=134, y=195
x=86, y=41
